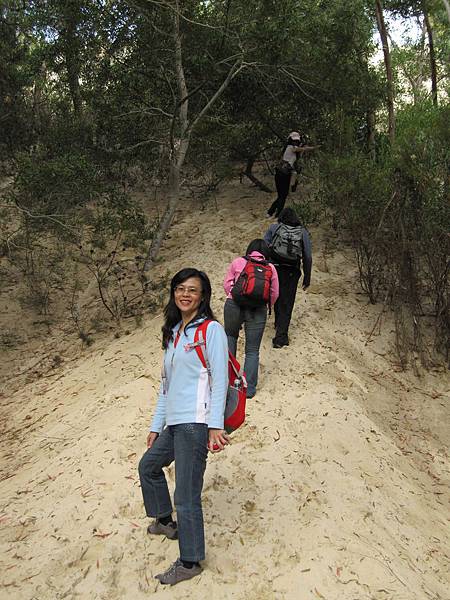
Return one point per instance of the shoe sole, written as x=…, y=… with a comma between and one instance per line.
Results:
x=179, y=580
x=173, y=537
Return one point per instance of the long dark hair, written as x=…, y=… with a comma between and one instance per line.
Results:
x=258, y=245
x=288, y=216
x=172, y=314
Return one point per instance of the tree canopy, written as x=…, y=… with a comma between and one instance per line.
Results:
x=92, y=90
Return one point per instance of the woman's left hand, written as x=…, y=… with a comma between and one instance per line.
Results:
x=218, y=439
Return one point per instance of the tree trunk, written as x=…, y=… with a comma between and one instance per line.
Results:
x=179, y=145
x=387, y=63
x=433, y=69
x=39, y=85
x=71, y=17
x=415, y=81
x=447, y=8
x=371, y=134
x=248, y=173
x=178, y=149
x=166, y=221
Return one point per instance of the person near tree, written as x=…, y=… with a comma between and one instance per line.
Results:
x=286, y=172
x=289, y=272
x=188, y=421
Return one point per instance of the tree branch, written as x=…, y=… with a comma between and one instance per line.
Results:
x=294, y=80
x=179, y=14
x=33, y=216
x=235, y=69
x=248, y=173
x=143, y=111
x=181, y=79
x=447, y=8
x=139, y=144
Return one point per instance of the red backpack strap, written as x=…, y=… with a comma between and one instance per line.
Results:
x=200, y=340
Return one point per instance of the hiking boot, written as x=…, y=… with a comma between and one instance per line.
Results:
x=177, y=572
x=170, y=530
x=277, y=344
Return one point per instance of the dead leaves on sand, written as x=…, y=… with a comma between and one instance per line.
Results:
x=101, y=534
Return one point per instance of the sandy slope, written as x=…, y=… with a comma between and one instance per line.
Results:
x=336, y=488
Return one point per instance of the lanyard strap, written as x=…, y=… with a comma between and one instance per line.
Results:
x=164, y=379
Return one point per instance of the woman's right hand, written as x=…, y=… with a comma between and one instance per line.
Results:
x=217, y=440
x=151, y=438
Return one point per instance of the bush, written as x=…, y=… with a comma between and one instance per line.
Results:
x=65, y=212
x=397, y=212
x=56, y=184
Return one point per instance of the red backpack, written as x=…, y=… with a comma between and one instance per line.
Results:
x=252, y=287
x=237, y=383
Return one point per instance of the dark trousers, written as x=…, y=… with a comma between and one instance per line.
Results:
x=282, y=183
x=187, y=445
x=254, y=321
x=288, y=278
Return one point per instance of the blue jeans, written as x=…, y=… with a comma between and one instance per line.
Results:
x=254, y=320
x=187, y=445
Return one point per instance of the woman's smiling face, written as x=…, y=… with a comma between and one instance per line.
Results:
x=188, y=296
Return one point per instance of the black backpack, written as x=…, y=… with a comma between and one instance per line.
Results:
x=287, y=243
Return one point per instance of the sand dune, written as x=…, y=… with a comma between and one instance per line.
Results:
x=336, y=488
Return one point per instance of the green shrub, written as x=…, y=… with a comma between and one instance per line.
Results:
x=397, y=212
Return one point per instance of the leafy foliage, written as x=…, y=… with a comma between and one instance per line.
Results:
x=398, y=215
x=90, y=96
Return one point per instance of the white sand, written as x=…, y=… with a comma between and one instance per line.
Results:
x=336, y=487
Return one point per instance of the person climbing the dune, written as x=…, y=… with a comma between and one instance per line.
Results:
x=287, y=170
x=251, y=286
x=290, y=248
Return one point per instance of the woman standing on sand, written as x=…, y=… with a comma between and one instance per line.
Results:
x=188, y=421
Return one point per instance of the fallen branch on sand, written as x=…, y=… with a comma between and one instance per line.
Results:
x=248, y=173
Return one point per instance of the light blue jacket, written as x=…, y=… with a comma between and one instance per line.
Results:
x=186, y=396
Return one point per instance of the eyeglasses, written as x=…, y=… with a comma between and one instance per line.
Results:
x=190, y=291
